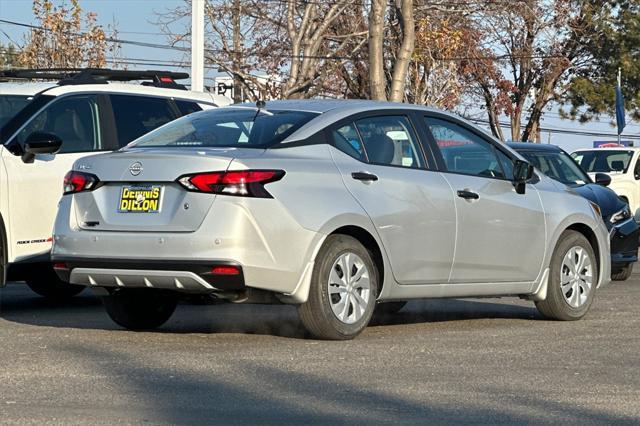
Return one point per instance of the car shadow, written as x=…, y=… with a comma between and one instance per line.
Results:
x=18, y=304
x=441, y=310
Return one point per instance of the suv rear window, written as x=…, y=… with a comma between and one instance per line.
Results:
x=10, y=105
x=227, y=128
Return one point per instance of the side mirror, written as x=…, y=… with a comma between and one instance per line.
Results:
x=40, y=143
x=603, y=179
x=522, y=172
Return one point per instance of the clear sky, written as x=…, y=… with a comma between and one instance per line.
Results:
x=135, y=19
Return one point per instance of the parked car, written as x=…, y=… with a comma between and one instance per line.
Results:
x=621, y=164
x=45, y=127
x=329, y=205
x=625, y=237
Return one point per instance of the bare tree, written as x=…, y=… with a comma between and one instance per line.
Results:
x=398, y=55
x=279, y=49
x=376, y=49
x=67, y=38
x=526, y=53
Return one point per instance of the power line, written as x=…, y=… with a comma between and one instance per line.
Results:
x=288, y=56
x=562, y=131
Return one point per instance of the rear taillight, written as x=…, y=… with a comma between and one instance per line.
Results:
x=79, y=181
x=244, y=183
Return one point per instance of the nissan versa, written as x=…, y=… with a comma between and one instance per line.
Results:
x=334, y=206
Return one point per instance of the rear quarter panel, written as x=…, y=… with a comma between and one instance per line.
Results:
x=312, y=193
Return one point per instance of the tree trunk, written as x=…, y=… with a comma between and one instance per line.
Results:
x=516, y=123
x=401, y=66
x=237, y=53
x=376, y=60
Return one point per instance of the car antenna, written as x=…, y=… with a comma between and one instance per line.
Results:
x=259, y=104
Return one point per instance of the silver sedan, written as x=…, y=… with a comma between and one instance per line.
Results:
x=338, y=207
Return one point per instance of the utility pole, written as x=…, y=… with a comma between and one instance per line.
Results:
x=197, y=45
x=237, y=51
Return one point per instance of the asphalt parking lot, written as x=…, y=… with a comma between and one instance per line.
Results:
x=462, y=361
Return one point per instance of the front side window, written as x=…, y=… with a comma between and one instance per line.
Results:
x=603, y=161
x=465, y=152
x=74, y=119
x=10, y=105
x=232, y=127
x=137, y=115
x=389, y=141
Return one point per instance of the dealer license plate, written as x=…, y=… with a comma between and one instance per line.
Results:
x=140, y=199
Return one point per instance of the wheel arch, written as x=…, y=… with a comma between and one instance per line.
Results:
x=370, y=243
x=590, y=235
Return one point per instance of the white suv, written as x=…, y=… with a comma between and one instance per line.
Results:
x=621, y=164
x=46, y=127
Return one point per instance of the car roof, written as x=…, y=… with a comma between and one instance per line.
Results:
x=52, y=89
x=23, y=88
x=530, y=146
x=333, y=110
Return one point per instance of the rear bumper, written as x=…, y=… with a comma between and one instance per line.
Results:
x=177, y=275
x=273, y=254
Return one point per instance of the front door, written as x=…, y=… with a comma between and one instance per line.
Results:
x=501, y=234
x=35, y=188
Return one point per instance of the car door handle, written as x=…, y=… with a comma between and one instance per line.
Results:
x=364, y=176
x=468, y=195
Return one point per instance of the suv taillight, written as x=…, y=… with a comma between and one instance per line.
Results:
x=79, y=181
x=243, y=183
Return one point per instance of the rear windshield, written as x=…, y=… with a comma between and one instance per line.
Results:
x=10, y=105
x=226, y=127
x=603, y=161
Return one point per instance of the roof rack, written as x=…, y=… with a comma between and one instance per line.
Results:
x=72, y=76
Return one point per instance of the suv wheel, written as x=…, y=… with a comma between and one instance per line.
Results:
x=343, y=290
x=45, y=282
x=140, y=309
x=623, y=273
x=573, y=277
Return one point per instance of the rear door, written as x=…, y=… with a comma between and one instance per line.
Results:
x=501, y=234
x=411, y=207
x=136, y=115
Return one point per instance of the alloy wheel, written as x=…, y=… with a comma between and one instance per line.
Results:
x=349, y=288
x=576, y=276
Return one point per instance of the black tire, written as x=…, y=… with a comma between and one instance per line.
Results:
x=623, y=273
x=316, y=314
x=390, y=308
x=555, y=306
x=46, y=283
x=140, y=309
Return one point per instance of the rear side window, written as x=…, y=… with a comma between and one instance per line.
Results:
x=229, y=127
x=347, y=140
x=74, y=119
x=389, y=141
x=187, y=107
x=138, y=115
x=465, y=152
